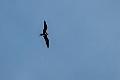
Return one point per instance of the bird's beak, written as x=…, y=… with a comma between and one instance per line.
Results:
x=39, y=35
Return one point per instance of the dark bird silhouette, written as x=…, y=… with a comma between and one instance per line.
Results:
x=44, y=34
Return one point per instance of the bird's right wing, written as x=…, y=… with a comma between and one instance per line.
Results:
x=47, y=40
x=45, y=27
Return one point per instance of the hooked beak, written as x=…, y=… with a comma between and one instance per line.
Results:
x=39, y=35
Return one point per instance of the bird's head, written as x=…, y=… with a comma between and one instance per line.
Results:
x=40, y=35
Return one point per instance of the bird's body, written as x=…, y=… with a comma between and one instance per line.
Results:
x=44, y=34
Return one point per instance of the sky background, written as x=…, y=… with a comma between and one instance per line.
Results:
x=84, y=40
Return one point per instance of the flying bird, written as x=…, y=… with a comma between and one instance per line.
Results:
x=44, y=34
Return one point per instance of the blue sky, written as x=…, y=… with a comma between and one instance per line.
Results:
x=84, y=40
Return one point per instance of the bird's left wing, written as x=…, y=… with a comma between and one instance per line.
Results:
x=47, y=40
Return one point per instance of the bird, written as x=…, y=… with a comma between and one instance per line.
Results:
x=44, y=34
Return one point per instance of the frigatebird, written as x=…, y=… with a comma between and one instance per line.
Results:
x=44, y=34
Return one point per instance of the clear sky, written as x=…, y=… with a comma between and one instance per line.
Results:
x=84, y=40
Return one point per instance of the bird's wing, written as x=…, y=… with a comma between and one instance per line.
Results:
x=47, y=40
x=45, y=27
